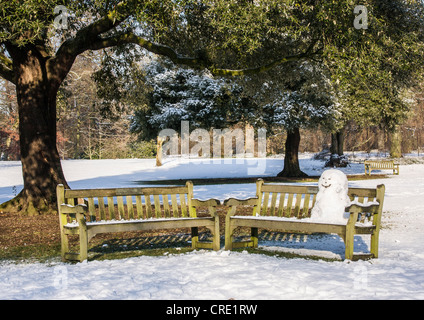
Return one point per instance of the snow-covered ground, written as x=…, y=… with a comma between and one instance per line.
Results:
x=397, y=274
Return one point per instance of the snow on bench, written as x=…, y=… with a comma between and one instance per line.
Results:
x=87, y=212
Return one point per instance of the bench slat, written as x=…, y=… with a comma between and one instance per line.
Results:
x=102, y=208
x=281, y=204
x=287, y=210
x=174, y=205
x=305, y=212
x=111, y=208
x=157, y=205
x=288, y=188
x=165, y=202
x=81, y=193
x=121, y=211
x=265, y=203
x=130, y=207
x=273, y=202
x=148, y=206
x=91, y=209
x=139, y=207
x=297, y=205
x=183, y=205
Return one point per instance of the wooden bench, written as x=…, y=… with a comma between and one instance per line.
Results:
x=89, y=212
x=380, y=165
x=287, y=207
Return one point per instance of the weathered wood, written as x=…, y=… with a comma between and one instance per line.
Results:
x=240, y=202
x=102, y=208
x=139, y=207
x=91, y=217
x=281, y=204
x=113, y=192
x=121, y=212
x=165, y=202
x=111, y=208
x=148, y=206
x=174, y=205
x=157, y=205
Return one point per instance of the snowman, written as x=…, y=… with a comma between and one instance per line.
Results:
x=332, y=197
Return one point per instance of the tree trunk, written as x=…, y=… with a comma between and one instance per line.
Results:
x=291, y=158
x=396, y=143
x=337, y=158
x=41, y=167
x=337, y=142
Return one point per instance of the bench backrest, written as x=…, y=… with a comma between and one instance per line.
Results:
x=132, y=203
x=284, y=200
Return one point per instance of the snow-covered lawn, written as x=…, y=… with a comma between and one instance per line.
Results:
x=397, y=274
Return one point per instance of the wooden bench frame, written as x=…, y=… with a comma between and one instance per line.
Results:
x=380, y=165
x=135, y=217
x=266, y=215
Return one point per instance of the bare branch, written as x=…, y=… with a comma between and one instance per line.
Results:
x=82, y=41
x=194, y=62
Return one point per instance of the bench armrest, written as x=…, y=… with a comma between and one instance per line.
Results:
x=70, y=209
x=356, y=208
x=205, y=203
x=240, y=202
x=360, y=207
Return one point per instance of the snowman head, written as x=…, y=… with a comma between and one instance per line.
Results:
x=333, y=179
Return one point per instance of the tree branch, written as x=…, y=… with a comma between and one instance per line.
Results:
x=6, y=69
x=59, y=65
x=194, y=62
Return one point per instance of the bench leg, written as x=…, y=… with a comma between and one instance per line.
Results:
x=350, y=235
x=216, y=236
x=374, y=245
x=254, y=237
x=83, y=237
x=229, y=237
x=229, y=229
x=194, y=237
x=64, y=245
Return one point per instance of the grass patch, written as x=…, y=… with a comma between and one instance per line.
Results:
x=36, y=252
x=156, y=252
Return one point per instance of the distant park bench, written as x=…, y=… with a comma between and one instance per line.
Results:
x=89, y=212
x=380, y=165
x=297, y=202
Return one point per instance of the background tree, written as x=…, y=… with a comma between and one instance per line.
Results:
x=177, y=94
x=298, y=95
x=9, y=135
